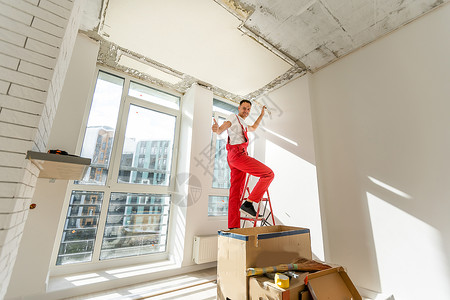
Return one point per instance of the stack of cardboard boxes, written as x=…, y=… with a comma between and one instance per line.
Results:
x=260, y=247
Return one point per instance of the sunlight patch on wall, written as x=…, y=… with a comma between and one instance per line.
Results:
x=294, y=193
x=409, y=253
x=280, y=136
x=180, y=232
x=389, y=188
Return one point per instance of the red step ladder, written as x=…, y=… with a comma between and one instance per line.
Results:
x=266, y=212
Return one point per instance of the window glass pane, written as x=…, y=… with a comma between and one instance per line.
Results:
x=221, y=173
x=80, y=228
x=136, y=224
x=147, y=151
x=217, y=206
x=155, y=96
x=101, y=126
x=224, y=107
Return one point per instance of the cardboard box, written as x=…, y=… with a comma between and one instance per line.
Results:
x=332, y=284
x=239, y=249
x=261, y=287
x=305, y=295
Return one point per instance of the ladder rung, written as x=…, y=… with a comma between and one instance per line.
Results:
x=252, y=219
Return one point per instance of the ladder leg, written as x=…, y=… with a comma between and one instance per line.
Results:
x=246, y=189
x=255, y=220
x=264, y=220
x=270, y=205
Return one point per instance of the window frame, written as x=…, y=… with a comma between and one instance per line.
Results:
x=112, y=185
x=211, y=191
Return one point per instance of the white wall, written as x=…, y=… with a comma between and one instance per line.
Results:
x=381, y=120
x=284, y=141
x=197, y=119
x=41, y=226
x=36, y=45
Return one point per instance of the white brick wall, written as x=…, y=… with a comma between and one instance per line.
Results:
x=36, y=41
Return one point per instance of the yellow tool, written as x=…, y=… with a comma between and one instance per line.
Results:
x=282, y=281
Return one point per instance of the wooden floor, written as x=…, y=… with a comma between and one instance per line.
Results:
x=199, y=285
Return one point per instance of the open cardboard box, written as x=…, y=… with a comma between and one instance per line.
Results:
x=255, y=247
x=305, y=295
x=261, y=287
x=332, y=284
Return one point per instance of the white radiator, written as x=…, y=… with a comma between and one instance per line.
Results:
x=205, y=249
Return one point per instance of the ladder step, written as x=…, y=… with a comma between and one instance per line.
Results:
x=265, y=209
x=252, y=219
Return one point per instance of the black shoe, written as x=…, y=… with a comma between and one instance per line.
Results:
x=247, y=208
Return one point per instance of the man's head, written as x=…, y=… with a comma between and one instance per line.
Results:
x=244, y=108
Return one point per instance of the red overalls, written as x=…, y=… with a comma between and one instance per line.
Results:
x=241, y=164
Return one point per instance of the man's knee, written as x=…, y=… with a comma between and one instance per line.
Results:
x=271, y=175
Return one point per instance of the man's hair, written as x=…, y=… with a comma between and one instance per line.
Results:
x=245, y=101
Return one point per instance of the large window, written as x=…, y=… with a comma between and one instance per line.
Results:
x=121, y=206
x=136, y=224
x=218, y=199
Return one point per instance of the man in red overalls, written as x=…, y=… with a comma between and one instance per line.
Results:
x=241, y=164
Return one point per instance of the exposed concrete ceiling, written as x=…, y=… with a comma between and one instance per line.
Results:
x=317, y=32
x=239, y=48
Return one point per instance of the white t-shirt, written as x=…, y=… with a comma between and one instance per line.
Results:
x=235, y=130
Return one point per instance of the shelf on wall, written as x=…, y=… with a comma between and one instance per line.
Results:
x=56, y=166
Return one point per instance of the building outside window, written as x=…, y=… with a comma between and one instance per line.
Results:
x=121, y=207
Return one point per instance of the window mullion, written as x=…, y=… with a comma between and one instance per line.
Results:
x=173, y=167
x=101, y=225
x=153, y=106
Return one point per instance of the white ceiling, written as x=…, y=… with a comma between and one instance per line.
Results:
x=245, y=46
x=198, y=38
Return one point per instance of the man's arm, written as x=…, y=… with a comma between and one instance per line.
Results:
x=215, y=128
x=256, y=124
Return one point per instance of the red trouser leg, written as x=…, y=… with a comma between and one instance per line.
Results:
x=237, y=182
x=240, y=164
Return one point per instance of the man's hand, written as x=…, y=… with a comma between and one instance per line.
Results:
x=256, y=124
x=215, y=126
x=263, y=110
